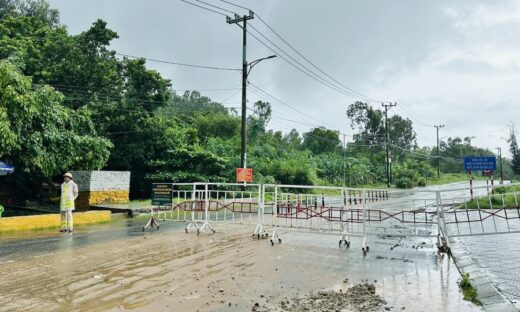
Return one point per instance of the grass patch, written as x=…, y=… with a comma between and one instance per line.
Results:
x=468, y=291
x=141, y=202
x=495, y=201
x=452, y=178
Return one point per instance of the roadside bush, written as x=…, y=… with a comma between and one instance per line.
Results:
x=469, y=292
x=421, y=181
x=404, y=182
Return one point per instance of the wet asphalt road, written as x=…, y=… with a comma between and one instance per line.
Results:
x=20, y=246
x=486, y=249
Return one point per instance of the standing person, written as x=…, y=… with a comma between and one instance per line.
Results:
x=69, y=192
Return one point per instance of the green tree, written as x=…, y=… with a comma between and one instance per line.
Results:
x=40, y=136
x=401, y=135
x=513, y=148
x=321, y=140
x=39, y=9
x=257, y=122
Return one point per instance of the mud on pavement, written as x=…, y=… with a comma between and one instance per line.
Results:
x=229, y=271
x=359, y=298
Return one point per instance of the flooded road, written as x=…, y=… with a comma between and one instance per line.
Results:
x=117, y=267
x=228, y=271
x=17, y=246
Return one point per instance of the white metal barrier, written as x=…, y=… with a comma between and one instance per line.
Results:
x=343, y=211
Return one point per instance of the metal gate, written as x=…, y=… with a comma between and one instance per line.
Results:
x=342, y=211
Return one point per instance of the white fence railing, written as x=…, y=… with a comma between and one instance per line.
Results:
x=343, y=211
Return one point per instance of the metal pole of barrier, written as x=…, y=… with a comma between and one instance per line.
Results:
x=217, y=210
x=193, y=224
x=439, y=229
x=225, y=205
x=275, y=237
x=250, y=207
x=206, y=226
x=185, y=199
x=233, y=205
x=172, y=203
x=492, y=213
x=364, y=247
x=259, y=230
x=275, y=206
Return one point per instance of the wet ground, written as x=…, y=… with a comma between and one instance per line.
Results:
x=498, y=255
x=19, y=246
x=117, y=267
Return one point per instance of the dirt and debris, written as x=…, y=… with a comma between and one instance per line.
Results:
x=358, y=298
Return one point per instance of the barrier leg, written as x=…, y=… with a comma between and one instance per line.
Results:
x=260, y=231
x=206, y=226
x=275, y=237
x=344, y=239
x=364, y=246
x=152, y=222
x=193, y=225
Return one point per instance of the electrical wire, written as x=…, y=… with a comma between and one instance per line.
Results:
x=352, y=91
x=202, y=7
x=305, y=71
x=177, y=63
x=216, y=7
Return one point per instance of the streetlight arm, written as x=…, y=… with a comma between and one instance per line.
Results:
x=253, y=63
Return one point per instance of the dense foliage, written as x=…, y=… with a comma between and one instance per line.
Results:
x=67, y=102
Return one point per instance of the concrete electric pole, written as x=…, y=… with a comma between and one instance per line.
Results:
x=388, y=167
x=246, y=69
x=438, y=156
x=500, y=162
x=237, y=20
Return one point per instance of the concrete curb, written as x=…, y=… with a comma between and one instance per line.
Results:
x=492, y=300
x=39, y=222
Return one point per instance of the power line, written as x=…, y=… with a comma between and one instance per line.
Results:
x=310, y=62
x=177, y=63
x=284, y=110
x=216, y=7
x=204, y=8
x=305, y=69
x=86, y=88
x=283, y=103
x=354, y=92
x=236, y=5
x=417, y=122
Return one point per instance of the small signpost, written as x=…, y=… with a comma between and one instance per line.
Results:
x=244, y=175
x=486, y=164
x=162, y=195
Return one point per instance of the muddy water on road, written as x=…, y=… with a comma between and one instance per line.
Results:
x=227, y=271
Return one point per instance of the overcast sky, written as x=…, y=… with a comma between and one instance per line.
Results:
x=444, y=62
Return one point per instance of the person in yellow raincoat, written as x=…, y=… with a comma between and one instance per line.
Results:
x=69, y=193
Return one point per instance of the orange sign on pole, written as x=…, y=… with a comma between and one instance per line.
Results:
x=244, y=175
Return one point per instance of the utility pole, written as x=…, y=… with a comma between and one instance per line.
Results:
x=237, y=20
x=438, y=156
x=388, y=168
x=246, y=69
x=500, y=160
x=344, y=160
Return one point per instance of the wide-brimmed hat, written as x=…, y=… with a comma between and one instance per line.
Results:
x=68, y=174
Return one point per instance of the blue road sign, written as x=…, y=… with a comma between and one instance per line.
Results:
x=478, y=163
x=5, y=169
